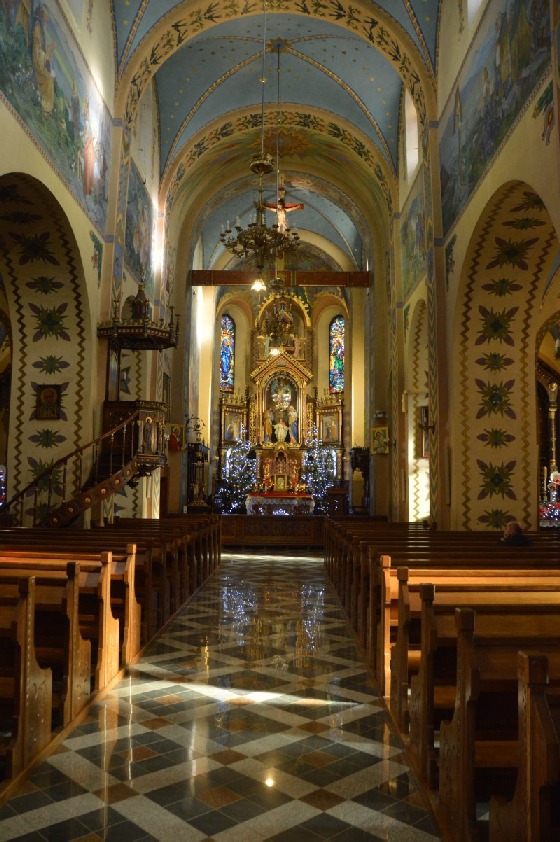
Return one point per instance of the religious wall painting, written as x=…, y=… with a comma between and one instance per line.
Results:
x=46, y=81
x=138, y=234
x=413, y=239
x=330, y=426
x=233, y=424
x=166, y=389
x=176, y=437
x=508, y=58
x=380, y=441
x=48, y=404
x=280, y=421
x=227, y=353
x=113, y=372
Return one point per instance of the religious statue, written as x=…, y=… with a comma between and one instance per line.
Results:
x=293, y=423
x=281, y=430
x=267, y=422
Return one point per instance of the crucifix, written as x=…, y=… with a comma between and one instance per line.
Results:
x=282, y=208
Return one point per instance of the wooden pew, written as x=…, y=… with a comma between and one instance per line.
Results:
x=25, y=687
x=479, y=752
x=152, y=562
x=96, y=620
x=532, y=813
x=200, y=542
x=405, y=652
x=433, y=691
x=382, y=613
x=124, y=605
x=59, y=644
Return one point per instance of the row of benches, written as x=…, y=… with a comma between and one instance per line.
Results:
x=77, y=606
x=464, y=638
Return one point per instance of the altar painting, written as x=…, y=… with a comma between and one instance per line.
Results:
x=280, y=413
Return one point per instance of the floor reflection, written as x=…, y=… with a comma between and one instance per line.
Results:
x=252, y=716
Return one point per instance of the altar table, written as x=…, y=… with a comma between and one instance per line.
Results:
x=273, y=503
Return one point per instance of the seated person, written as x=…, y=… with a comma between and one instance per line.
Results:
x=514, y=535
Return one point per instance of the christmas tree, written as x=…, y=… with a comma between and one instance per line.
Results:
x=318, y=469
x=239, y=475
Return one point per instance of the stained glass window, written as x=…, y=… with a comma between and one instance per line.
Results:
x=227, y=354
x=336, y=355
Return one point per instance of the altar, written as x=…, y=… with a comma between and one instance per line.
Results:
x=273, y=503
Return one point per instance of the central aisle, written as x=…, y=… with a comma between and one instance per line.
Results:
x=250, y=717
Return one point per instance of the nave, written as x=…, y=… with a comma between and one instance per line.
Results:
x=251, y=716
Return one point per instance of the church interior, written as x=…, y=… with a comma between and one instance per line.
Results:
x=264, y=266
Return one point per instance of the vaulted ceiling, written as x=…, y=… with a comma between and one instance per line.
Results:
x=329, y=105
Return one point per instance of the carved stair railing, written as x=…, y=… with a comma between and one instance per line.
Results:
x=91, y=473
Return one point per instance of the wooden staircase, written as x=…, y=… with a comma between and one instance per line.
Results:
x=92, y=473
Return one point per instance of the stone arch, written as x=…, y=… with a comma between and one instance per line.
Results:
x=43, y=281
x=499, y=312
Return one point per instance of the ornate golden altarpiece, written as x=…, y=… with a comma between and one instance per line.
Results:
x=281, y=414
x=277, y=409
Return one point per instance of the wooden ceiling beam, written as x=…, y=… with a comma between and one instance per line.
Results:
x=291, y=278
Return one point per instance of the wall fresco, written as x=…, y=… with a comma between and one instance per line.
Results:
x=45, y=79
x=413, y=239
x=139, y=230
x=508, y=58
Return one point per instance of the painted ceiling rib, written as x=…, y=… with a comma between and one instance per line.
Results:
x=359, y=102
x=131, y=35
x=420, y=35
x=209, y=91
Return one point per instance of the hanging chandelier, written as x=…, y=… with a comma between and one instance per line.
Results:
x=261, y=242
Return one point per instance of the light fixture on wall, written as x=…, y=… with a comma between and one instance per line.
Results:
x=259, y=241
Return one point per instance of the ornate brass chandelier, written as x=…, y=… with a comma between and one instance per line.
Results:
x=260, y=241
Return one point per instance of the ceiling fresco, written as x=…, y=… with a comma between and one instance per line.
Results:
x=317, y=62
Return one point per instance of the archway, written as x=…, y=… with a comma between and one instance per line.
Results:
x=502, y=302
x=46, y=298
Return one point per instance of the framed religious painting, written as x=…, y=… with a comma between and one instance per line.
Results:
x=113, y=371
x=281, y=482
x=176, y=437
x=48, y=402
x=233, y=424
x=380, y=441
x=330, y=425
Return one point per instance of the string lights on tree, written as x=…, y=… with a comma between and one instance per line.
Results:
x=318, y=469
x=239, y=476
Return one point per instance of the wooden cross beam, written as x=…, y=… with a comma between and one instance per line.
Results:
x=291, y=278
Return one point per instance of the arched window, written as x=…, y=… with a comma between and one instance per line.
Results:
x=227, y=354
x=336, y=355
x=411, y=134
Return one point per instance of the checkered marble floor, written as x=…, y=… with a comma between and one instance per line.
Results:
x=251, y=716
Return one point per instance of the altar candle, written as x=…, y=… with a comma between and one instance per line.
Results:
x=544, y=479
